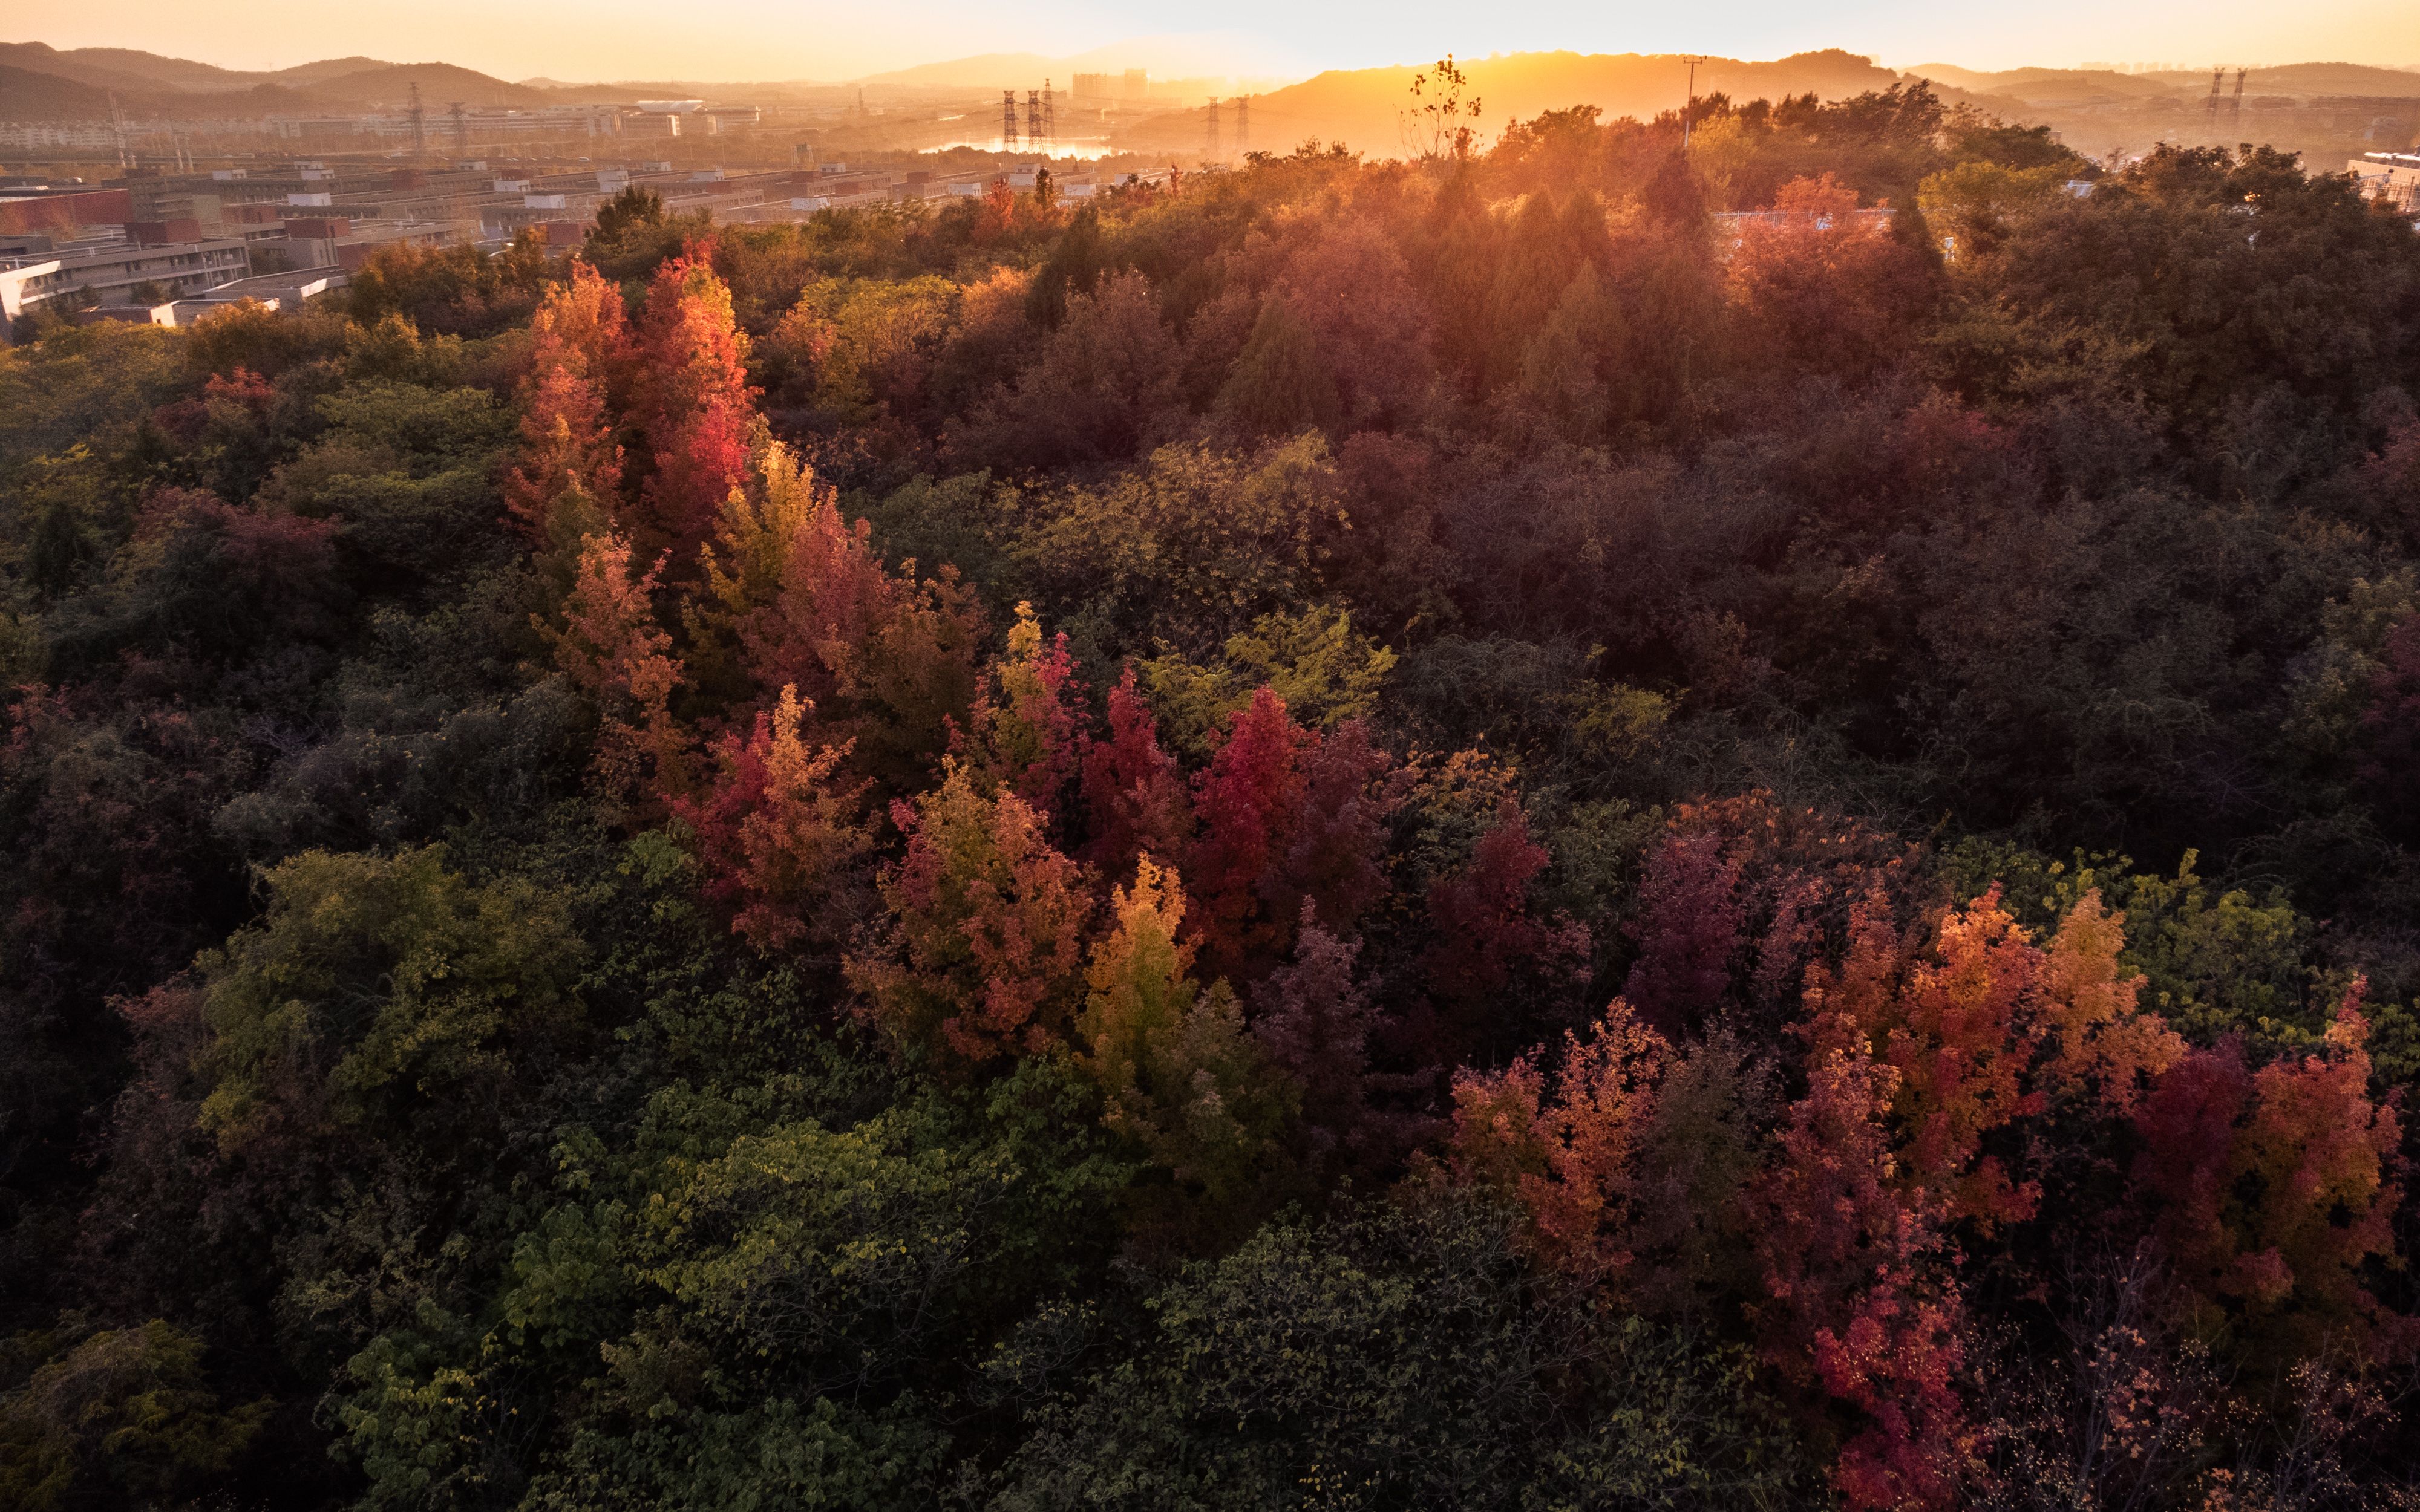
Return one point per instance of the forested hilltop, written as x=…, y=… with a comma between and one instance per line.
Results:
x=1467, y=834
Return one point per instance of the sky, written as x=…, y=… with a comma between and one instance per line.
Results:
x=769, y=40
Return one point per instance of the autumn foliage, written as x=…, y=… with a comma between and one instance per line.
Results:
x=692, y=400
x=582, y=362
x=986, y=953
x=781, y=831
x=1688, y=815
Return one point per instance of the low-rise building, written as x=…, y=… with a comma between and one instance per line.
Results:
x=275, y=291
x=116, y=273
x=65, y=211
x=2394, y=177
x=333, y=242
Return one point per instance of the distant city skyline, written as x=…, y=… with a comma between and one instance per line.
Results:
x=759, y=40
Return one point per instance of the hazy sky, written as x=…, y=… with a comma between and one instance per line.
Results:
x=819, y=40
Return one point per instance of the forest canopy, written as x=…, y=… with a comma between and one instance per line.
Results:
x=1588, y=825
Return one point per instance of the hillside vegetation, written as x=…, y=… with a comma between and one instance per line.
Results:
x=1409, y=835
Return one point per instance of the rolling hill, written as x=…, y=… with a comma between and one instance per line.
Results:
x=389, y=84
x=326, y=68
x=123, y=69
x=983, y=72
x=41, y=83
x=2070, y=85
x=1358, y=106
x=2023, y=83
x=28, y=96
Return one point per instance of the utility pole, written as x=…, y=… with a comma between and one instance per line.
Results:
x=1008, y=120
x=419, y=125
x=118, y=128
x=1692, y=105
x=1210, y=138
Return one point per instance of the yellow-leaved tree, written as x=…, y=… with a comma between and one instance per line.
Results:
x=1176, y=1071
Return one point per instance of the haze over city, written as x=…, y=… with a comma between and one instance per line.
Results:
x=741, y=39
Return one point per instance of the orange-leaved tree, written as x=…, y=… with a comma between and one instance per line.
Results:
x=2275, y=1189
x=580, y=374
x=1826, y=287
x=1569, y=1156
x=796, y=596
x=609, y=644
x=985, y=951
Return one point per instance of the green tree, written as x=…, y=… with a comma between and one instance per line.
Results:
x=381, y=997
x=1396, y=1357
x=92, y=1418
x=635, y=205
x=1280, y=384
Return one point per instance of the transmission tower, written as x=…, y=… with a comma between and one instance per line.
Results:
x=1243, y=124
x=461, y=129
x=419, y=125
x=2235, y=116
x=1008, y=120
x=1049, y=115
x=1033, y=132
x=2210, y=111
x=1210, y=136
x=118, y=128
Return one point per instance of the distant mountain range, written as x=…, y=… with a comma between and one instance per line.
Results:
x=2301, y=81
x=123, y=68
x=42, y=82
x=1358, y=106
